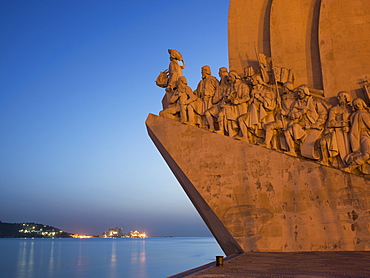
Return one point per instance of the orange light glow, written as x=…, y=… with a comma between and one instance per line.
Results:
x=137, y=234
x=81, y=236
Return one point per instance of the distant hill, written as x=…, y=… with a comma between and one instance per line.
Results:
x=30, y=230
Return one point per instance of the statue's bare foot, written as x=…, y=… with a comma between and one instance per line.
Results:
x=264, y=145
x=190, y=123
x=242, y=138
x=347, y=169
x=323, y=162
x=291, y=153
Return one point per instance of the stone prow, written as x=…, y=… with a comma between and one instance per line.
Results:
x=222, y=235
x=257, y=199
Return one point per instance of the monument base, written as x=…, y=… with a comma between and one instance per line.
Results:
x=258, y=199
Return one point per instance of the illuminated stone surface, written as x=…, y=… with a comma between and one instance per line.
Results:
x=265, y=200
x=248, y=32
x=294, y=39
x=344, y=45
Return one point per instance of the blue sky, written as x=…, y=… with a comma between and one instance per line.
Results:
x=76, y=85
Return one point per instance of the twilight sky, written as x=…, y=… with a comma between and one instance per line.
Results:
x=76, y=85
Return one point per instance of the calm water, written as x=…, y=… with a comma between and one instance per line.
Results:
x=131, y=258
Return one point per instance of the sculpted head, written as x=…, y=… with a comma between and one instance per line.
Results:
x=182, y=80
x=359, y=104
x=222, y=72
x=206, y=70
x=248, y=71
x=174, y=55
x=344, y=97
x=233, y=76
x=303, y=91
x=288, y=87
x=257, y=79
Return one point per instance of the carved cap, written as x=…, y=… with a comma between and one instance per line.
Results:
x=183, y=80
x=289, y=86
x=206, y=69
x=304, y=88
x=258, y=78
x=175, y=54
x=233, y=72
x=223, y=69
x=248, y=71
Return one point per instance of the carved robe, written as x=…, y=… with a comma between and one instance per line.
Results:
x=174, y=72
x=306, y=112
x=219, y=99
x=238, y=96
x=205, y=91
x=261, y=109
x=308, y=117
x=360, y=139
x=338, y=127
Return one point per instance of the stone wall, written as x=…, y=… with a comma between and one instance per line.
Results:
x=326, y=42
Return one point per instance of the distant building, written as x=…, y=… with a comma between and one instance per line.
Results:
x=137, y=234
x=115, y=232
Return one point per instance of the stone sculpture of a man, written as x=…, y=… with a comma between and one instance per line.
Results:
x=214, y=114
x=238, y=97
x=359, y=138
x=307, y=113
x=178, y=107
x=260, y=110
x=286, y=98
x=335, y=145
x=205, y=91
x=174, y=68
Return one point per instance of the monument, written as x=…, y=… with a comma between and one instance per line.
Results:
x=275, y=154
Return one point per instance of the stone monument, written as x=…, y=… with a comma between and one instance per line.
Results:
x=275, y=155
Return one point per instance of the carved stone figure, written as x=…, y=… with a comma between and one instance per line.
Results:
x=206, y=88
x=237, y=99
x=307, y=118
x=219, y=101
x=284, y=103
x=335, y=144
x=205, y=91
x=360, y=138
x=248, y=73
x=168, y=79
x=265, y=66
x=182, y=96
x=174, y=68
x=273, y=116
x=261, y=108
x=172, y=110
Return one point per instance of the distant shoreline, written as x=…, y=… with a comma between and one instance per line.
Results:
x=31, y=230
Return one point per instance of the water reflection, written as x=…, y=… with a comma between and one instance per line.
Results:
x=25, y=265
x=51, y=260
x=111, y=258
x=22, y=256
x=138, y=258
x=80, y=258
x=31, y=258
